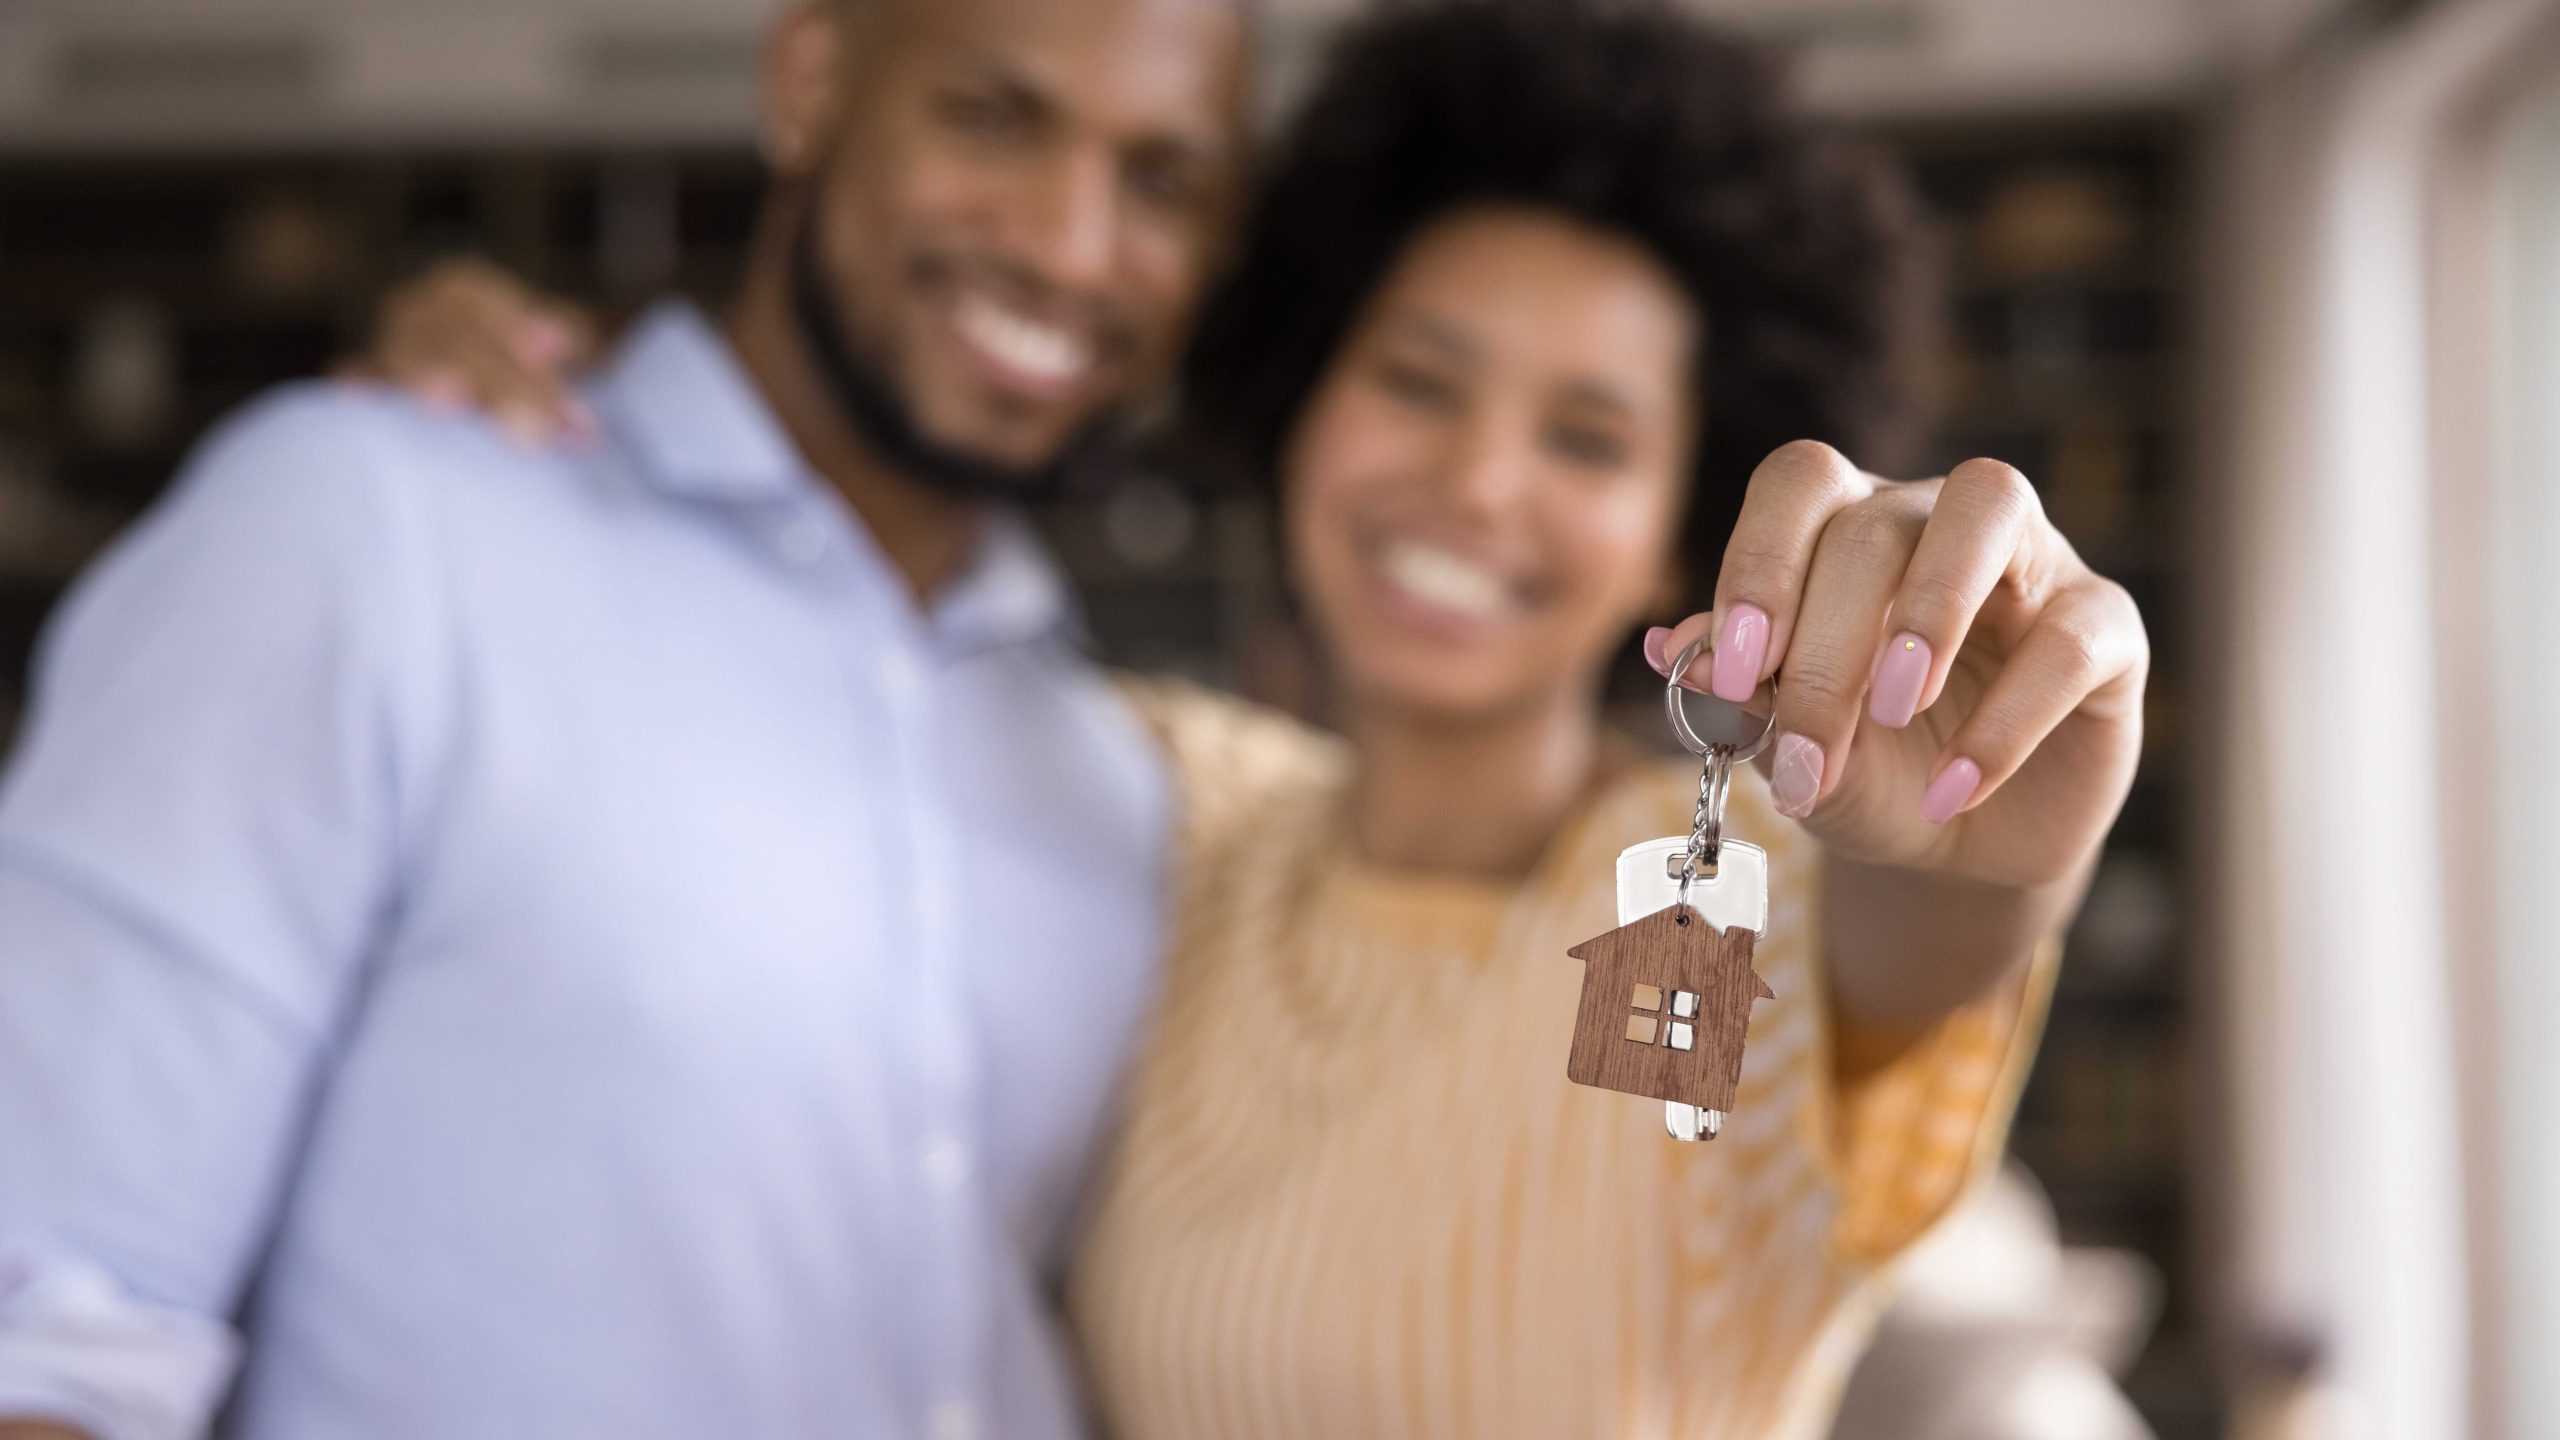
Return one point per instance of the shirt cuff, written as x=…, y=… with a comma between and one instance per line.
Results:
x=78, y=1348
x=1906, y=1141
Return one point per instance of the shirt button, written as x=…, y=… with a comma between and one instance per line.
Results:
x=898, y=676
x=946, y=1163
x=801, y=540
x=954, y=1420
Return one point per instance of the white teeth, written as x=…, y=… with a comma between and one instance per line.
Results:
x=1042, y=352
x=1446, y=579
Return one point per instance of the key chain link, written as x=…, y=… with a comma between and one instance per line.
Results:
x=1706, y=823
x=1715, y=778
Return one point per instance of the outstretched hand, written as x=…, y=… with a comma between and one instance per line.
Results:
x=1957, y=691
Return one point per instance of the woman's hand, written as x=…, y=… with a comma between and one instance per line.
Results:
x=1958, y=693
x=466, y=333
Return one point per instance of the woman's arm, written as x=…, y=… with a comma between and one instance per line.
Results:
x=1907, y=948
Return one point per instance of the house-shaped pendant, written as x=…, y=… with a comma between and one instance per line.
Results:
x=1666, y=998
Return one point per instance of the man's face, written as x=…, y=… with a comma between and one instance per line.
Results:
x=1018, y=204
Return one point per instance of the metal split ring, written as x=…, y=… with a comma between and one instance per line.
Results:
x=1736, y=719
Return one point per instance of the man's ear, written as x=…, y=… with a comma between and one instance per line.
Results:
x=803, y=84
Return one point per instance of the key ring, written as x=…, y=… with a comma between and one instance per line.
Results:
x=1672, y=702
x=1715, y=782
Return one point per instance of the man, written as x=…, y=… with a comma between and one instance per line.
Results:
x=634, y=941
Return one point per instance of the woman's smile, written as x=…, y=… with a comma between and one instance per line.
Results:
x=1442, y=588
x=1483, y=490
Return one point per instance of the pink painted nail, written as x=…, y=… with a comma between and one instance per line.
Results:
x=1900, y=677
x=441, y=390
x=1795, y=779
x=1657, y=643
x=1739, y=651
x=542, y=342
x=1947, y=794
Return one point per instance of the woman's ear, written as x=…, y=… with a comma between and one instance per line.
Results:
x=803, y=85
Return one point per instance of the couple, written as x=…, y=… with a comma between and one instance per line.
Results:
x=651, y=936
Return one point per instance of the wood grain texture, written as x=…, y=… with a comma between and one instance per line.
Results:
x=1659, y=950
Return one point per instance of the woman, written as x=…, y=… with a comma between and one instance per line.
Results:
x=1534, y=297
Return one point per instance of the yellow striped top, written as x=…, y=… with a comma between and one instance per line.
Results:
x=1357, y=1196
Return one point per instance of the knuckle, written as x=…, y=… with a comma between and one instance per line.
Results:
x=2077, y=647
x=2137, y=632
x=445, y=281
x=2115, y=600
x=1809, y=467
x=2000, y=488
x=2113, y=613
x=1872, y=530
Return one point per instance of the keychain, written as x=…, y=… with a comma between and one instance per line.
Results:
x=1666, y=997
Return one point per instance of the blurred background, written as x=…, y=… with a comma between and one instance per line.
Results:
x=2263, y=294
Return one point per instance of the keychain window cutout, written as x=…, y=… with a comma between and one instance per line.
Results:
x=1641, y=1029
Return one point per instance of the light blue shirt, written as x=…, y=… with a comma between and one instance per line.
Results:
x=556, y=945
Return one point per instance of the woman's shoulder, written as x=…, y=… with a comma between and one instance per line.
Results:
x=1233, y=761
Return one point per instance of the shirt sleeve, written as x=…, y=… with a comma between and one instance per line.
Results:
x=198, y=841
x=1910, y=1138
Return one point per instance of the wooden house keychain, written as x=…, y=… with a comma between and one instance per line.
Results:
x=1666, y=997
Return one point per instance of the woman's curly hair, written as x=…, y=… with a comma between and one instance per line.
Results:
x=1801, y=251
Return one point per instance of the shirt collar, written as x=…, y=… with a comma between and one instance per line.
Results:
x=693, y=421
x=676, y=396
x=1010, y=593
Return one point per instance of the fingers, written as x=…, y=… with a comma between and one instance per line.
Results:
x=1864, y=592
x=2088, y=641
x=1792, y=498
x=466, y=333
x=1861, y=560
x=1662, y=647
x=1977, y=533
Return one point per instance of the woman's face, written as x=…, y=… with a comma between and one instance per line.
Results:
x=1483, y=489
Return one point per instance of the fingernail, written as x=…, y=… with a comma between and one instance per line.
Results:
x=1656, y=649
x=442, y=390
x=1795, y=777
x=1739, y=651
x=542, y=342
x=1900, y=677
x=1947, y=794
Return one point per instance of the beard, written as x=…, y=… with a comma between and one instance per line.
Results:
x=871, y=402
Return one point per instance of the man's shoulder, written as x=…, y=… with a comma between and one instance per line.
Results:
x=328, y=434
x=337, y=478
